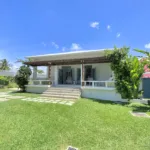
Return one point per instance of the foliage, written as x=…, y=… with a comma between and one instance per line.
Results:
x=22, y=76
x=143, y=52
x=5, y=65
x=12, y=85
x=8, y=82
x=4, y=81
x=127, y=71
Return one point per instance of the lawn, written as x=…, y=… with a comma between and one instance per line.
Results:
x=88, y=125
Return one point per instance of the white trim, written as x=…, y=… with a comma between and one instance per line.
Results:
x=98, y=88
x=69, y=53
x=37, y=85
x=39, y=80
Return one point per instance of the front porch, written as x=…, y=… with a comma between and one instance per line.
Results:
x=97, y=75
x=88, y=71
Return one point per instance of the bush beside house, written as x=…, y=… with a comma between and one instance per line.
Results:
x=22, y=77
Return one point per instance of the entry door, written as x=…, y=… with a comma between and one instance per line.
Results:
x=66, y=72
x=89, y=72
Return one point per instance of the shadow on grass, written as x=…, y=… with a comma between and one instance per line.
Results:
x=110, y=102
x=143, y=108
x=135, y=107
x=17, y=92
x=21, y=92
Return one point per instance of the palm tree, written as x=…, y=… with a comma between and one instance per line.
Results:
x=29, y=60
x=5, y=65
x=145, y=60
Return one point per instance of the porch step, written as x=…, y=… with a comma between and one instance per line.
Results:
x=63, y=88
x=62, y=93
x=61, y=96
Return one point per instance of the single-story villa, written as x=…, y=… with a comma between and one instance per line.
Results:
x=88, y=71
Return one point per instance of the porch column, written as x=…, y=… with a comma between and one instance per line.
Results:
x=82, y=74
x=34, y=72
x=49, y=71
x=56, y=75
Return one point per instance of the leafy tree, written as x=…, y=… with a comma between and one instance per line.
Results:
x=22, y=77
x=5, y=65
x=127, y=71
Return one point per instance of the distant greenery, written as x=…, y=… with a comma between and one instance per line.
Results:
x=127, y=72
x=4, y=81
x=22, y=77
x=40, y=71
x=7, y=82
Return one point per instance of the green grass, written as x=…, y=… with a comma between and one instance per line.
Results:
x=18, y=93
x=88, y=125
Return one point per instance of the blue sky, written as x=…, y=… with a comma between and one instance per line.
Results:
x=33, y=27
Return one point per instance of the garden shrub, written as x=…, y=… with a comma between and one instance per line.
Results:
x=22, y=77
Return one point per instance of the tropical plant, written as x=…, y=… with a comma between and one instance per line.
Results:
x=127, y=72
x=5, y=65
x=147, y=58
x=22, y=77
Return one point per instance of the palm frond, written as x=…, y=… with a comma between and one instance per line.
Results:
x=142, y=51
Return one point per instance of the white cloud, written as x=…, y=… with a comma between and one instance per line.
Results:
x=108, y=27
x=118, y=35
x=44, y=44
x=64, y=49
x=75, y=47
x=15, y=66
x=94, y=25
x=147, y=46
x=55, y=45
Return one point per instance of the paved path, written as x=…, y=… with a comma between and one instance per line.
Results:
x=5, y=96
x=55, y=101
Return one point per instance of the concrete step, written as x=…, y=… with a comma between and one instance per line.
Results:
x=62, y=93
x=56, y=98
x=61, y=96
x=63, y=89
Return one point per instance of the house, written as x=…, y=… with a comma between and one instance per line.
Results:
x=88, y=71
